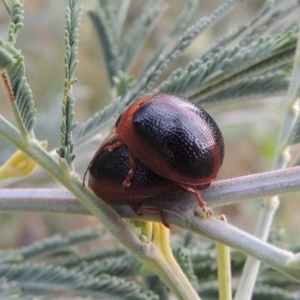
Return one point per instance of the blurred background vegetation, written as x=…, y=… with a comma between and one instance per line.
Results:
x=250, y=134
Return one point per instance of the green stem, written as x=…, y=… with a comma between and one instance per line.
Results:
x=220, y=193
x=160, y=260
x=231, y=236
x=251, y=268
x=7, y=6
x=224, y=272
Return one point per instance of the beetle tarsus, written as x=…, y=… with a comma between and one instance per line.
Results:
x=207, y=211
x=164, y=219
x=132, y=163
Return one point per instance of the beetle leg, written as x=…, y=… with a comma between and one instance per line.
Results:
x=164, y=219
x=132, y=163
x=136, y=207
x=208, y=211
x=114, y=146
x=157, y=211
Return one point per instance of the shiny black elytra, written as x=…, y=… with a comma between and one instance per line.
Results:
x=170, y=136
x=108, y=169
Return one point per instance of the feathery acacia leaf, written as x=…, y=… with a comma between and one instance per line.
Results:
x=121, y=10
x=13, y=78
x=200, y=80
x=271, y=16
x=183, y=257
x=261, y=292
x=99, y=121
x=273, y=292
x=48, y=247
x=17, y=17
x=74, y=260
x=139, y=31
x=6, y=58
x=185, y=16
x=178, y=26
x=125, y=266
x=295, y=134
x=73, y=17
x=103, y=20
x=150, y=76
x=123, y=83
x=157, y=286
x=12, y=291
x=18, y=90
x=43, y=279
x=253, y=29
x=274, y=83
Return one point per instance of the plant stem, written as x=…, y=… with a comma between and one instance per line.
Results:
x=251, y=268
x=223, y=192
x=224, y=272
x=231, y=236
x=212, y=228
x=7, y=6
x=160, y=259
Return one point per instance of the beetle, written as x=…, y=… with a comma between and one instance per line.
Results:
x=172, y=137
x=108, y=169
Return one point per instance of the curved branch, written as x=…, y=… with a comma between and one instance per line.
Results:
x=223, y=192
x=229, y=235
x=181, y=211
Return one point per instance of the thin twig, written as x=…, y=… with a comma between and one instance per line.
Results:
x=222, y=192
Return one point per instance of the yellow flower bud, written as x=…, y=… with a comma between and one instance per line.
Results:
x=18, y=165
